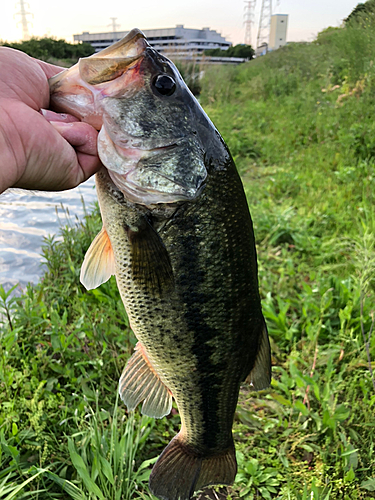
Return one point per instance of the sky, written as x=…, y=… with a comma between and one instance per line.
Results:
x=64, y=18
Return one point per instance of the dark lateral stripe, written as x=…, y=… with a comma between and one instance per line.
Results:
x=195, y=318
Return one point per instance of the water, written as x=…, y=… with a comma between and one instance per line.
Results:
x=25, y=219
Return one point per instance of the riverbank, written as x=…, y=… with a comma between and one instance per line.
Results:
x=299, y=123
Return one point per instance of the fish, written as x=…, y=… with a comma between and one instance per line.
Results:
x=178, y=236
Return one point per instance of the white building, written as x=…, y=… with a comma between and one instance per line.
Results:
x=262, y=50
x=178, y=41
x=278, y=31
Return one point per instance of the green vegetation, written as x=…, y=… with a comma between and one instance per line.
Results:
x=61, y=354
x=53, y=50
x=356, y=14
x=240, y=50
x=299, y=123
x=190, y=72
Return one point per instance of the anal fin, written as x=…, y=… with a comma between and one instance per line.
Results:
x=260, y=376
x=140, y=382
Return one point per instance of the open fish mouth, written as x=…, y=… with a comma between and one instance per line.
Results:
x=150, y=176
x=104, y=66
x=79, y=88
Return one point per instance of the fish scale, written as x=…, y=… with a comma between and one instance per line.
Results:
x=178, y=235
x=202, y=312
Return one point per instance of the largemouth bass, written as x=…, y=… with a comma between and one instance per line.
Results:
x=178, y=236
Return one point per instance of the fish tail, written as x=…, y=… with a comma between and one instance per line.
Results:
x=179, y=472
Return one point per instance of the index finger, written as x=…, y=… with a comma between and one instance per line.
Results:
x=49, y=69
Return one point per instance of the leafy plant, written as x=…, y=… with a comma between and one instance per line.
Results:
x=255, y=479
x=299, y=122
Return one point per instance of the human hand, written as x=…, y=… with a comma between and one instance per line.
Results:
x=39, y=149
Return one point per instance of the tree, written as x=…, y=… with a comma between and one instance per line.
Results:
x=45, y=48
x=240, y=50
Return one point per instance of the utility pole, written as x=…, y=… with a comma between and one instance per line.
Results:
x=23, y=13
x=249, y=20
x=264, y=23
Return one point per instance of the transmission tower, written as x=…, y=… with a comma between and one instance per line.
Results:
x=264, y=23
x=249, y=20
x=23, y=13
x=114, y=24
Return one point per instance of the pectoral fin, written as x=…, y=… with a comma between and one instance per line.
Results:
x=260, y=376
x=150, y=262
x=99, y=263
x=140, y=382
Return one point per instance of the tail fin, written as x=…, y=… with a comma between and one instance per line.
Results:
x=178, y=473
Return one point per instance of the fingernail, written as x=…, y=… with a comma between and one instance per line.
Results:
x=58, y=117
x=61, y=125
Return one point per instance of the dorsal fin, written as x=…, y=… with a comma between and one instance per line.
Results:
x=99, y=263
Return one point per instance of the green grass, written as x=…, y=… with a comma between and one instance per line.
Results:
x=302, y=134
x=299, y=123
x=62, y=351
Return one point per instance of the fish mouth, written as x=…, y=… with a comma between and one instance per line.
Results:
x=75, y=90
x=149, y=176
x=111, y=62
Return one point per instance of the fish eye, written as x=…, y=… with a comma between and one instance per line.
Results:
x=164, y=85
